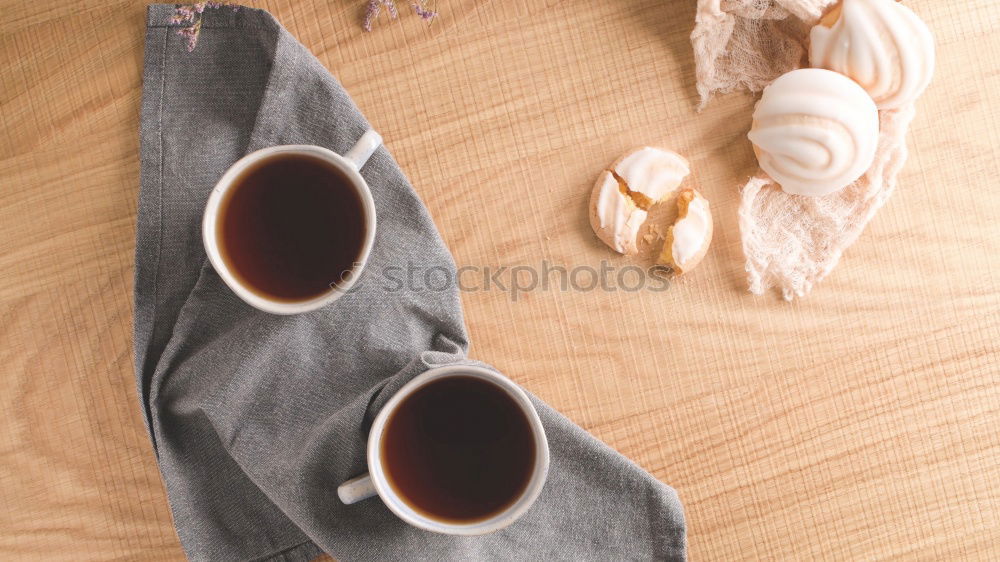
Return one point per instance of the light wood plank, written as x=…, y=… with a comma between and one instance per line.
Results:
x=859, y=423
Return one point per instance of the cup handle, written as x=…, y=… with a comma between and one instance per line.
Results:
x=364, y=148
x=356, y=489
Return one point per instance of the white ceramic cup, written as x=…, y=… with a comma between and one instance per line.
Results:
x=375, y=482
x=350, y=164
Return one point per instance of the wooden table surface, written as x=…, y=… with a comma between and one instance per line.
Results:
x=859, y=423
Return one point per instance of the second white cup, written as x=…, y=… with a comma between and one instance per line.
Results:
x=377, y=482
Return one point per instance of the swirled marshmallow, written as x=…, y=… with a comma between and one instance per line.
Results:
x=880, y=44
x=814, y=131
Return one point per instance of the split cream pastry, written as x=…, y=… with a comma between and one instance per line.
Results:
x=626, y=191
x=688, y=238
x=814, y=131
x=880, y=44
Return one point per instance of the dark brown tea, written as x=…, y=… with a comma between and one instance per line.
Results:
x=291, y=227
x=458, y=449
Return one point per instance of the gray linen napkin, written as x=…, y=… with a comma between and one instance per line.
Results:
x=256, y=418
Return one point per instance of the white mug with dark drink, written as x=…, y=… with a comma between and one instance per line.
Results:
x=289, y=228
x=457, y=450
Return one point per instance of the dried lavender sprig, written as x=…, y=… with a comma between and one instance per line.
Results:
x=374, y=8
x=192, y=14
x=191, y=33
x=371, y=12
x=423, y=12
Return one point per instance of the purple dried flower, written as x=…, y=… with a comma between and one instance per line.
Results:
x=183, y=14
x=374, y=7
x=191, y=33
x=423, y=12
x=191, y=14
x=371, y=12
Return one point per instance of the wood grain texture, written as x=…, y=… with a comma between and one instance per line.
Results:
x=860, y=423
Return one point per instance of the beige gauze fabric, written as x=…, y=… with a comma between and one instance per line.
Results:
x=790, y=241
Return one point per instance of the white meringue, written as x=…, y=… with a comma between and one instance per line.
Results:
x=880, y=44
x=814, y=131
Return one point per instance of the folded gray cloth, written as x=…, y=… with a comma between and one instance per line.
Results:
x=257, y=418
